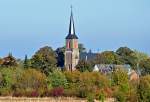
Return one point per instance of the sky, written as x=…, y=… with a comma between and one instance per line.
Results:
x=27, y=25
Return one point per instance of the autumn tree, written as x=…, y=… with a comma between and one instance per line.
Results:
x=9, y=61
x=144, y=89
x=91, y=82
x=44, y=60
x=145, y=66
x=31, y=80
x=107, y=57
x=1, y=61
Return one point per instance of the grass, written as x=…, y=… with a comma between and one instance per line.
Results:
x=46, y=99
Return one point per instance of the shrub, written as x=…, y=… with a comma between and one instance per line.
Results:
x=8, y=80
x=120, y=97
x=56, y=92
x=101, y=97
x=90, y=98
x=31, y=80
x=144, y=89
x=58, y=79
x=34, y=94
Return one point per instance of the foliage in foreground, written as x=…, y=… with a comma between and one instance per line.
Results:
x=39, y=77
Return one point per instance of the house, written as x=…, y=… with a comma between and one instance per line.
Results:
x=109, y=68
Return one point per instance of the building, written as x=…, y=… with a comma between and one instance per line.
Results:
x=109, y=68
x=88, y=56
x=72, y=50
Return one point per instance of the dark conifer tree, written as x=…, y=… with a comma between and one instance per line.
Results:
x=26, y=62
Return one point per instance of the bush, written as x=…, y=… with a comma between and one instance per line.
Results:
x=120, y=97
x=101, y=97
x=86, y=83
x=8, y=80
x=144, y=89
x=90, y=98
x=30, y=81
x=58, y=79
x=56, y=92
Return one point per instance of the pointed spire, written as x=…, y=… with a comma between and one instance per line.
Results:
x=71, y=34
x=71, y=26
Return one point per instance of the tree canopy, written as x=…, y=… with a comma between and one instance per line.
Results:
x=9, y=61
x=108, y=57
x=127, y=56
x=44, y=60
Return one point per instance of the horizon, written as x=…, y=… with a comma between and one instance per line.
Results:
x=26, y=26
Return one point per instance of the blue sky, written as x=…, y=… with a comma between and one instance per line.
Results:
x=27, y=25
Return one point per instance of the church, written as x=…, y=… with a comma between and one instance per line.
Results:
x=72, y=50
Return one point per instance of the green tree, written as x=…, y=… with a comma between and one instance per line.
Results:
x=121, y=83
x=58, y=79
x=44, y=60
x=108, y=57
x=83, y=66
x=145, y=66
x=127, y=56
x=8, y=80
x=119, y=76
x=26, y=62
x=9, y=61
x=140, y=57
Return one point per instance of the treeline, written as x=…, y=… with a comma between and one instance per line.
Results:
x=42, y=76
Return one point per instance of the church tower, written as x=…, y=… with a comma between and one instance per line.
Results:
x=72, y=50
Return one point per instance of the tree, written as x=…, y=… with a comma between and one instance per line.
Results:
x=119, y=76
x=31, y=80
x=121, y=84
x=8, y=80
x=1, y=61
x=91, y=83
x=44, y=60
x=58, y=79
x=144, y=89
x=108, y=57
x=9, y=61
x=84, y=66
x=127, y=56
x=26, y=62
x=145, y=66
x=140, y=57
x=60, y=56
